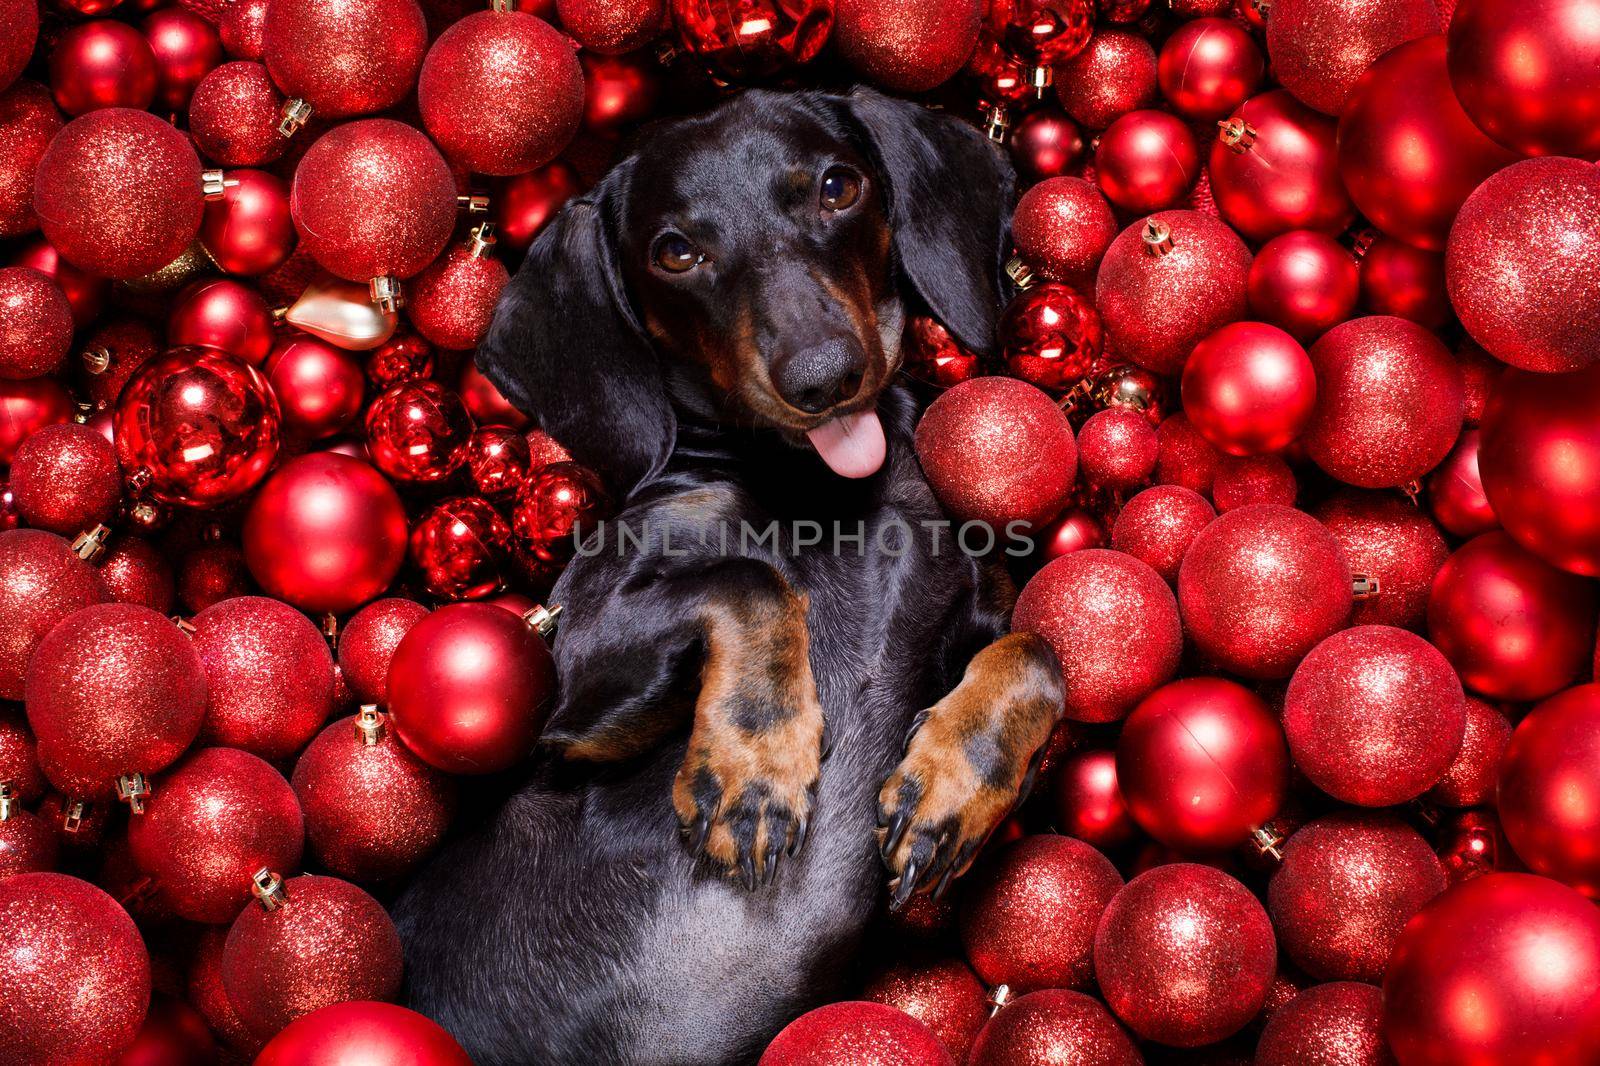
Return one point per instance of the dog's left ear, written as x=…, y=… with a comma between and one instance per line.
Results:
x=949, y=199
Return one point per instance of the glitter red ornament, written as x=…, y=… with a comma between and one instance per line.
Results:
x=1054, y=1025
x=613, y=26
x=344, y=57
x=1113, y=75
x=1146, y=161
x=1398, y=279
x=134, y=571
x=28, y=122
x=36, y=323
x=376, y=1034
x=1244, y=480
x=451, y=302
x=1470, y=781
x=1274, y=168
x=1304, y=283
x=942, y=994
x=234, y=116
x=1249, y=388
x=85, y=292
x=111, y=355
x=1341, y=1021
x=1549, y=789
x=860, y=1033
x=102, y=63
x=66, y=480
x=908, y=45
x=1387, y=541
x=1158, y=525
x=16, y=48
x=1063, y=227
x=241, y=27
x=19, y=766
x=458, y=546
x=1183, y=456
x=222, y=314
x=41, y=582
x=210, y=573
x=319, y=387
x=1050, y=336
x=1117, y=450
x=248, y=230
x=418, y=431
x=186, y=48
x=1320, y=48
x=368, y=642
x=28, y=843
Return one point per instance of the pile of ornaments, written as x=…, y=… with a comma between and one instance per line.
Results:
x=1299, y=397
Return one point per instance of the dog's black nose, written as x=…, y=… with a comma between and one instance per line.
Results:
x=815, y=378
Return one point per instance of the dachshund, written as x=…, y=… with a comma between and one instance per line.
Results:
x=758, y=727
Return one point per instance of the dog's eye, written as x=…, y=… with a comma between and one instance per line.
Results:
x=676, y=254
x=841, y=188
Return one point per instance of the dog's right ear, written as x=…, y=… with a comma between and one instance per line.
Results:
x=566, y=347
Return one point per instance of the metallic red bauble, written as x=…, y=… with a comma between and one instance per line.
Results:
x=85, y=292
x=1045, y=33
x=28, y=122
x=1320, y=48
x=1165, y=283
x=1063, y=227
x=1113, y=75
x=1208, y=67
x=1183, y=456
x=319, y=387
x=908, y=45
x=135, y=571
x=1117, y=450
x=209, y=825
x=469, y=688
x=1249, y=388
x=234, y=116
x=373, y=198
x=1470, y=781
x=1303, y=282
x=1087, y=803
x=860, y=1033
x=1260, y=586
x=499, y=460
x=66, y=479
x=330, y=943
x=1341, y=1021
x=1549, y=789
x=36, y=323
x=1399, y=279
x=1201, y=762
x=1275, y=168
x=552, y=508
x=249, y=231
x=502, y=92
x=1185, y=955
x=458, y=546
x=186, y=49
x=1408, y=154
x=41, y=582
x=368, y=642
x=757, y=38
x=102, y=63
x=1540, y=463
x=113, y=689
x=1388, y=541
x=1146, y=161
x=1527, y=72
x=940, y=993
x=451, y=302
x=418, y=431
x=68, y=943
x=374, y=1034
x=1113, y=624
x=118, y=193
x=1503, y=969
x=1072, y=530
x=1158, y=525
x=618, y=91
x=21, y=17
x=241, y=28
x=612, y=27
x=483, y=400
x=210, y=573
x=1050, y=336
x=1513, y=626
x=403, y=357
x=1047, y=144
x=197, y=426
x=222, y=314
x=1517, y=265
x=1389, y=402
x=931, y=355
x=344, y=57
x=1054, y=1025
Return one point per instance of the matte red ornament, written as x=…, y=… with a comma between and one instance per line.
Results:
x=329, y=943
x=1167, y=282
x=28, y=406
x=469, y=687
x=484, y=402
x=1341, y=1021
x=1249, y=388
x=418, y=431
x=173, y=1034
x=1470, y=781
x=1158, y=525
x=1398, y=279
x=1047, y=144
x=1549, y=789
x=1513, y=626
x=1063, y=227
x=1183, y=456
x=248, y=231
x=102, y=63
x=1113, y=624
x=1471, y=979
x=373, y=198
x=16, y=48
x=757, y=39
x=1208, y=67
x=222, y=314
x=1320, y=48
x=619, y=92
x=908, y=45
x=344, y=507
x=66, y=480
x=85, y=292
x=67, y=942
x=375, y=1034
x=368, y=642
x=118, y=193
x=1388, y=541
x=1116, y=450
x=1146, y=161
x=41, y=583
x=1087, y=803
x=1274, y=168
x=36, y=323
x=186, y=47
x=1539, y=459
x=1303, y=282
x=1050, y=336
x=344, y=57
x=1072, y=530
x=234, y=116
x=209, y=825
x=860, y=1033
x=135, y=571
x=28, y=122
x=1113, y=75
x=1054, y=1025
x=458, y=546
x=942, y=994
x=612, y=27
x=451, y=302
x=319, y=387
x=1185, y=955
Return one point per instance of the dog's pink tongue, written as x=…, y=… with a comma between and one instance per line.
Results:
x=852, y=445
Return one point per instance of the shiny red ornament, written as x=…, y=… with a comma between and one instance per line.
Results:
x=618, y=91
x=908, y=45
x=1208, y=67
x=28, y=406
x=1053, y=1025
x=1117, y=450
x=210, y=573
x=1303, y=282
x=931, y=354
x=173, y=1034
x=1503, y=969
x=404, y=357
x=28, y=122
x=222, y=314
x=1073, y=530
x=1167, y=282
x=1087, y=803
x=36, y=324
x=458, y=546
x=1185, y=955
x=368, y=642
x=329, y=943
x=209, y=825
x=16, y=47
x=241, y=28
x=1549, y=789
x=1274, y=167
x=234, y=116
x=756, y=39
x=1113, y=624
x=1146, y=161
x=1183, y=456
x=1249, y=388
x=1320, y=48
x=1158, y=525
x=1047, y=144
x=66, y=480
x=418, y=432
x=41, y=583
x=373, y=198
x=248, y=231
x=1050, y=336
x=102, y=63
x=451, y=302
x=118, y=193
x=319, y=387
x=1513, y=626
x=499, y=460
x=612, y=27
x=186, y=48
x=1388, y=541
x=860, y=1033
x=1045, y=33
x=374, y=1034
x=1539, y=459
x=68, y=943
x=1341, y=1021
x=344, y=507
x=1063, y=227
x=344, y=57
x=135, y=571
x=942, y=994
x=554, y=507
x=1470, y=781
x=484, y=402
x=1472, y=845
x=85, y=292
x=1114, y=74
x=1398, y=279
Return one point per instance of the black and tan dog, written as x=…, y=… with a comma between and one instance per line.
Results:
x=715, y=328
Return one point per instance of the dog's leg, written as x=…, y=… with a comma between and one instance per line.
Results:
x=969, y=760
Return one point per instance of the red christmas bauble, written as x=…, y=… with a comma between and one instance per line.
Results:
x=373, y=1034
x=111, y=355
x=1054, y=1025
x=1073, y=530
x=612, y=27
x=940, y=993
x=1398, y=279
x=499, y=460
x=451, y=302
x=485, y=403
x=1185, y=955
x=1201, y=762
x=16, y=47
x=210, y=573
x=1275, y=168
x=1245, y=480
x=502, y=92
x=368, y=642
x=1117, y=450
x=1549, y=789
x=907, y=45
x=1504, y=969
x=41, y=582
x=1513, y=626
x=860, y=1033
x=204, y=990
x=618, y=91
x=1514, y=265
x=1341, y=1021
x=67, y=942
x=1303, y=282
x=524, y=204
x=1183, y=456
x=1113, y=75
x=36, y=323
x=1387, y=540
x=1146, y=161
x=234, y=116
x=197, y=427
x=134, y=571
x=469, y=687
x=28, y=123
x=1539, y=459
x=102, y=63
x=1050, y=336
x=85, y=292
x=1047, y=144
x=1165, y=283
x=1087, y=802
x=329, y=943
x=345, y=508
x=1063, y=227
x=1158, y=525
x=756, y=39
x=66, y=479
x=28, y=846
x=1249, y=388
x=135, y=712
x=344, y=57
x=249, y=231
x=562, y=501
x=222, y=314
x=1320, y=48
x=19, y=764
x=1045, y=33
x=418, y=431
x=405, y=357
x=458, y=546
x=241, y=28
x=186, y=47
x=1470, y=781
x=118, y=193
x=1208, y=67
x=209, y=825
x=319, y=387
x=173, y=1034
x=1113, y=624
x=373, y=198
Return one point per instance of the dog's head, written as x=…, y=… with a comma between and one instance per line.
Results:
x=749, y=266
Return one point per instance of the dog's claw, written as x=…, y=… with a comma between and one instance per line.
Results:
x=747, y=866
x=944, y=882
x=897, y=829
x=697, y=837
x=907, y=886
x=769, y=870
x=801, y=827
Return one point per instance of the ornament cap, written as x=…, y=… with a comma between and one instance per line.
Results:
x=473, y=203
x=295, y=114
x=481, y=241
x=998, y=998
x=96, y=360
x=1020, y=273
x=268, y=888
x=133, y=790
x=214, y=184
x=1157, y=237
x=9, y=804
x=996, y=124
x=369, y=724
x=386, y=294
x=1041, y=78
x=543, y=620
x=73, y=815
x=1237, y=134
x=1365, y=586
x=91, y=545
x=1268, y=842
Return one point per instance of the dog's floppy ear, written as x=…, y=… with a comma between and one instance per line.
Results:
x=950, y=195
x=566, y=347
